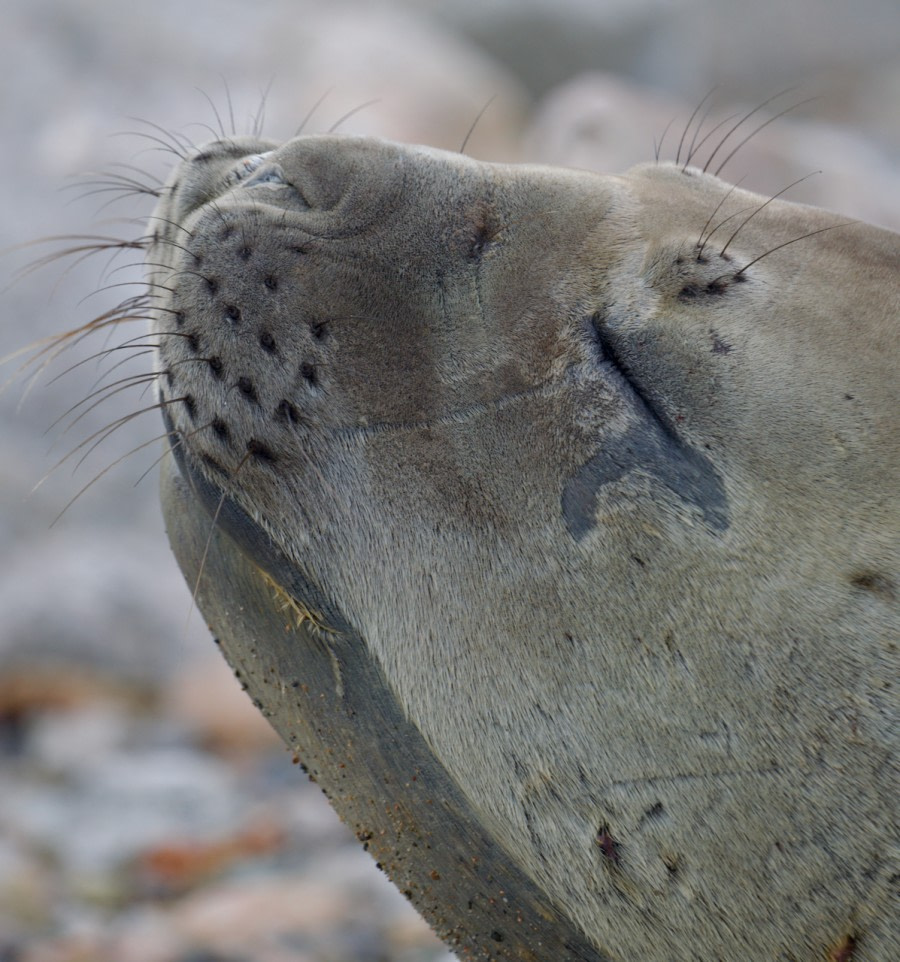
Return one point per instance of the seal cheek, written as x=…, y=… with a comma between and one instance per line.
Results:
x=646, y=447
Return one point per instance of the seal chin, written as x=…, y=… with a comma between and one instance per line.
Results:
x=254, y=543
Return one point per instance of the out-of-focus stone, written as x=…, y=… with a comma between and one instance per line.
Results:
x=207, y=698
x=603, y=123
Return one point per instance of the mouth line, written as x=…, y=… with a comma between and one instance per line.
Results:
x=620, y=371
x=459, y=415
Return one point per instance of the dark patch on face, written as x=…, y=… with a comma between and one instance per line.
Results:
x=650, y=445
x=876, y=583
x=647, y=448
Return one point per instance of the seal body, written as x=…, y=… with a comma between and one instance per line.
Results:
x=558, y=511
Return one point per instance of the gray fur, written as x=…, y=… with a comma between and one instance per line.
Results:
x=660, y=678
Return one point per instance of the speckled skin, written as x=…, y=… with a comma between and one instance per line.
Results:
x=593, y=507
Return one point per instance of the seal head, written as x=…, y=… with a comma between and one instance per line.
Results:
x=554, y=524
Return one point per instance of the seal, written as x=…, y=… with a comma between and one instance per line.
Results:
x=552, y=519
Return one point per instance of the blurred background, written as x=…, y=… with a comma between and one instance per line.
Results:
x=147, y=814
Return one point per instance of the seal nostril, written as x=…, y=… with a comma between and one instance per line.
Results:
x=245, y=386
x=232, y=313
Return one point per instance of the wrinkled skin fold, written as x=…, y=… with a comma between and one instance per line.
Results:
x=553, y=522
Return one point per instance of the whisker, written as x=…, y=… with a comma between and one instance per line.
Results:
x=697, y=130
x=212, y=529
x=778, y=247
x=687, y=127
x=99, y=436
x=478, y=117
x=787, y=110
x=741, y=122
x=311, y=111
x=350, y=113
x=230, y=103
x=178, y=150
x=657, y=146
x=221, y=135
x=105, y=393
x=706, y=137
x=763, y=206
x=259, y=118
x=128, y=345
x=109, y=468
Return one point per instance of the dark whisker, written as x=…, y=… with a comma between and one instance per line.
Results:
x=749, y=136
x=182, y=142
x=259, y=118
x=741, y=122
x=763, y=206
x=179, y=151
x=128, y=345
x=110, y=287
x=171, y=223
x=99, y=436
x=720, y=225
x=230, y=103
x=99, y=396
x=478, y=117
x=704, y=139
x=687, y=127
x=311, y=111
x=778, y=247
x=657, y=145
x=109, y=467
x=350, y=113
x=179, y=442
x=221, y=135
x=697, y=130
